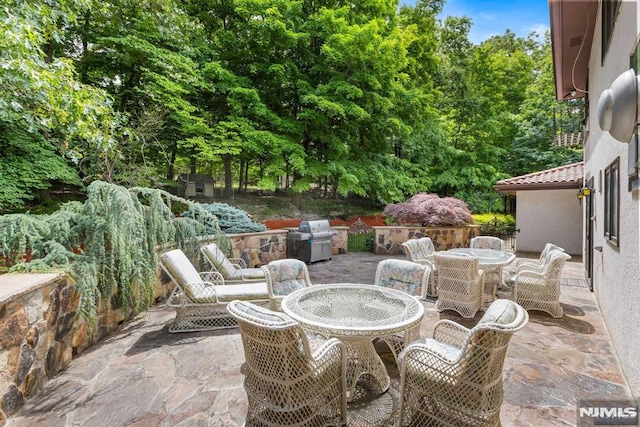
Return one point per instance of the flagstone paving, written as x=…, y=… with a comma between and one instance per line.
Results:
x=144, y=376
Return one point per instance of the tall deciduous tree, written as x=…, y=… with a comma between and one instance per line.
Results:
x=46, y=114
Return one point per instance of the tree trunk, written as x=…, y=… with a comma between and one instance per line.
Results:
x=171, y=169
x=246, y=175
x=228, y=177
x=296, y=199
x=241, y=176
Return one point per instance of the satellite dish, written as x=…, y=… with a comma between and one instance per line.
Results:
x=618, y=106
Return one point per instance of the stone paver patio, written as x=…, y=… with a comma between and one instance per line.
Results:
x=144, y=376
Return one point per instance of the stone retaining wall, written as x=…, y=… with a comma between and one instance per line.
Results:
x=40, y=332
x=388, y=239
x=260, y=248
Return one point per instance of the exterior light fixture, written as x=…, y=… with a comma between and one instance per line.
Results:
x=583, y=192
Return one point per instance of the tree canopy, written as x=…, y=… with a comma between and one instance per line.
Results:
x=364, y=98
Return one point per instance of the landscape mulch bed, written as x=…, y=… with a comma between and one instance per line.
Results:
x=371, y=220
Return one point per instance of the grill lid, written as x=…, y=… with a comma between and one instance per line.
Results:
x=308, y=230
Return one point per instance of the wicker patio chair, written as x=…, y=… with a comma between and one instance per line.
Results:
x=490, y=242
x=540, y=289
x=200, y=299
x=421, y=251
x=460, y=283
x=538, y=265
x=290, y=379
x=409, y=277
x=455, y=378
x=233, y=269
x=283, y=277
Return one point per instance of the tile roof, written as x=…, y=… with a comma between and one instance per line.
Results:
x=567, y=176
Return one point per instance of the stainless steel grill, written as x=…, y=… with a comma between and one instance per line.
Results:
x=312, y=242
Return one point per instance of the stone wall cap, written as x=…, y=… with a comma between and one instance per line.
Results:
x=15, y=285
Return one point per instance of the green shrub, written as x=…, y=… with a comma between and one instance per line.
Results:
x=108, y=245
x=495, y=223
x=430, y=210
x=230, y=220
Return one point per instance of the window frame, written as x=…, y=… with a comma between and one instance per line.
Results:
x=610, y=10
x=200, y=187
x=612, y=202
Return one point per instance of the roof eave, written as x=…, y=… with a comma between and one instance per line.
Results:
x=512, y=188
x=572, y=27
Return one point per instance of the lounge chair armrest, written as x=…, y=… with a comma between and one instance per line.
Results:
x=201, y=292
x=429, y=359
x=450, y=332
x=214, y=277
x=238, y=263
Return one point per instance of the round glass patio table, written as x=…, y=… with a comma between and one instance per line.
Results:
x=356, y=314
x=487, y=258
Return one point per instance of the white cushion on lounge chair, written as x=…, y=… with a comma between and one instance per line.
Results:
x=179, y=267
x=251, y=273
x=242, y=291
x=220, y=261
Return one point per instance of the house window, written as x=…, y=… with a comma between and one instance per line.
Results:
x=609, y=14
x=612, y=202
x=199, y=187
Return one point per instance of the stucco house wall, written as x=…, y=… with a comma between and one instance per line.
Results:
x=549, y=216
x=616, y=277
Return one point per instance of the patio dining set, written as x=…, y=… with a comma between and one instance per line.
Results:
x=307, y=345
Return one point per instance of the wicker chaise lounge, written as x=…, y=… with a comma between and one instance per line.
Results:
x=232, y=269
x=200, y=299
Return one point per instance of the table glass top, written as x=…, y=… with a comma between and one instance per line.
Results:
x=352, y=307
x=487, y=256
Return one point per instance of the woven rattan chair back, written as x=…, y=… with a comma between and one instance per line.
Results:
x=421, y=251
x=409, y=277
x=428, y=249
x=460, y=284
x=286, y=383
x=540, y=289
x=540, y=262
x=455, y=378
x=284, y=276
x=406, y=276
x=487, y=242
